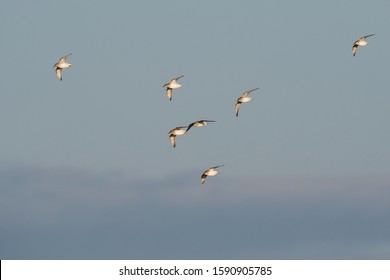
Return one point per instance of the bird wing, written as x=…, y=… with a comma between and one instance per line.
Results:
x=203, y=178
x=206, y=121
x=249, y=91
x=175, y=79
x=59, y=73
x=217, y=166
x=169, y=93
x=191, y=125
x=238, y=104
x=172, y=140
x=354, y=48
x=364, y=37
x=63, y=58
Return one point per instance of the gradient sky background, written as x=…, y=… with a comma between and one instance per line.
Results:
x=86, y=167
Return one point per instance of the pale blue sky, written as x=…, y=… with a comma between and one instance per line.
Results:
x=95, y=147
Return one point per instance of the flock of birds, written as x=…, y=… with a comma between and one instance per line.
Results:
x=181, y=130
x=173, y=84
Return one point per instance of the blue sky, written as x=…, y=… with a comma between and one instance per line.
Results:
x=87, y=160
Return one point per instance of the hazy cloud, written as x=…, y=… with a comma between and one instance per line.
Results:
x=70, y=213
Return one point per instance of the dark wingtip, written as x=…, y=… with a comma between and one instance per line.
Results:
x=188, y=128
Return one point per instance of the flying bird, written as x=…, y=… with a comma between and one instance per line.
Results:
x=199, y=124
x=243, y=99
x=61, y=64
x=172, y=85
x=176, y=132
x=212, y=171
x=361, y=42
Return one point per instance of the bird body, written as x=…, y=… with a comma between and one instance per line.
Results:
x=243, y=99
x=173, y=84
x=61, y=64
x=176, y=132
x=199, y=123
x=360, y=43
x=212, y=171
